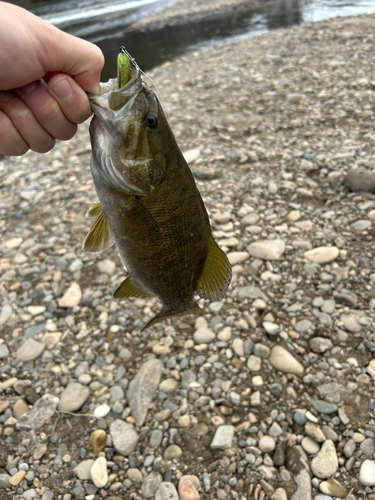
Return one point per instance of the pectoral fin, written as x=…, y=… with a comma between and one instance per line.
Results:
x=100, y=236
x=195, y=309
x=137, y=218
x=130, y=289
x=216, y=274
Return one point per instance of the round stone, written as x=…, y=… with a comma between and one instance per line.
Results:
x=322, y=255
x=173, y=451
x=30, y=350
x=99, y=474
x=203, y=335
x=74, y=397
x=267, y=444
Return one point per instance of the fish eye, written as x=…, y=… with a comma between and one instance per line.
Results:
x=151, y=120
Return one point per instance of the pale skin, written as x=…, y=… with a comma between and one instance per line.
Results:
x=45, y=74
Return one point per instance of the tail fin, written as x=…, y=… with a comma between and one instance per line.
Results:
x=162, y=315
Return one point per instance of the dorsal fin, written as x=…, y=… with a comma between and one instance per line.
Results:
x=130, y=289
x=100, y=236
x=216, y=275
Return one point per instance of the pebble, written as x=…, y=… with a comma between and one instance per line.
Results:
x=173, y=451
x=203, y=335
x=4, y=481
x=266, y=444
x=17, y=478
x=142, y=389
x=325, y=464
x=6, y=314
x=106, y=266
x=167, y=491
x=188, y=487
x=20, y=408
x=324, y=406
x=41, y=411
x=97, y=440
x=134, y=474
x=367, y=473
x=333, y=488
x=39, y=451
x=73, y=397
x=223, y=437
x=151, y=484
x=98, y=472
x=284, y=361
x=270, y=327
x=322, y=255
x=124, y=437
x=310, y=446
x=82, y=470
x=267, y=249
x=101, y=411
x=320, y=344
x=237, y=257
x=72, y=297
x=4, y=351
x=30, y=350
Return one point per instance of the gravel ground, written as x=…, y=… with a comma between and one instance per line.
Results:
x=269, y=394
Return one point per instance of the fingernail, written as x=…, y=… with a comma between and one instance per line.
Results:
x=63, y=90
x=26, y=89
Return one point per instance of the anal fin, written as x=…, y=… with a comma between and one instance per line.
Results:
x=130, y=289
x=100, y=236
x=216, y=275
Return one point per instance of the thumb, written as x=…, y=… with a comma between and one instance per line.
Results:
x=81, y=60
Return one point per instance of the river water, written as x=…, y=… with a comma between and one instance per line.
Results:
x=107, y=23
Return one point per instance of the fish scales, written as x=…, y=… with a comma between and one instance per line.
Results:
x=149, y=204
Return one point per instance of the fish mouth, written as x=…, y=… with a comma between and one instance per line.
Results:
x=113, y=103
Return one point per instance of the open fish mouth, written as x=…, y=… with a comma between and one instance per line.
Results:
x=114, y=103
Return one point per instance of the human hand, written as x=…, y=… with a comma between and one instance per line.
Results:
x=45, y=74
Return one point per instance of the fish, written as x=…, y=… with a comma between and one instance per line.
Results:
x=149, y=205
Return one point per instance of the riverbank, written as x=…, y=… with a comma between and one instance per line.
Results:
x=188, y=11
x=270, y=393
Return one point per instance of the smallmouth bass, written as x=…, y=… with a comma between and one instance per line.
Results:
x=149, y=204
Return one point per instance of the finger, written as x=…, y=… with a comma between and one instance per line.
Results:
x=73, y=56
x=46, y=110
x=11, y=143
x=71, y=98
x=25, y=123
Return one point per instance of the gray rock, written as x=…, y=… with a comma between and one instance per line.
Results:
x=151, y=484
x=166, y=491
x=143, y=387
x=4, y=481
x=42, y=410
x=106, y=266
x=303, y=326
x=267, y=249
x=347, y=298
x=297, y=462
x=82, y=470
x=203, y=335
x=349, y=448
x=124, y=437
x=6, y=314
x=156, y=437
x=30, y=350
x=223, y=437
x=320, y=344
x=367, y=447
x=249, y=292
x=359, y=180
x=323, y=406
x=271, y=328
x=173, y=451
x=74, y=397
x=4, y=351
x=325, y=464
